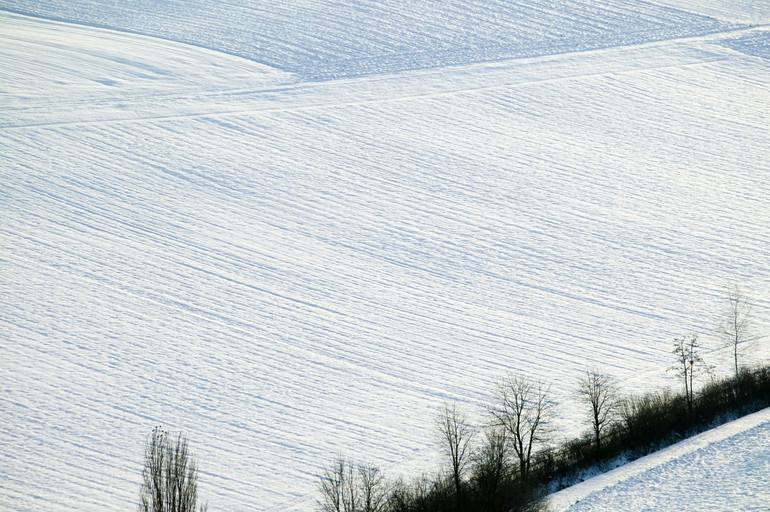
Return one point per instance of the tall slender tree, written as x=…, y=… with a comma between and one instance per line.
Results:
x=737, y=320
x=456, y=435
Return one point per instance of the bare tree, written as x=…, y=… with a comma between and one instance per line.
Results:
x=346, y=487
x=599, y=392
x=170, y=475
x=456, y=435
x=736, y=325
x=688, y=362
x=339, y=492
x=373, y=488
x=490, y=465
x=523, y=409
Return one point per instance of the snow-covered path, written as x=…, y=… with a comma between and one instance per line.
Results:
x=721, y=470
x=288, y=270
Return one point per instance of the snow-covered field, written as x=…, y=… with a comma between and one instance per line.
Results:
x=722, y=470
x=305, y=253
x=323, y=39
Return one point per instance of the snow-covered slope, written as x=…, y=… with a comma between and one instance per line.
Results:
x=756, y=44
x=288, y=270
x=737, y=11
x=324, y=39
x=722, y=470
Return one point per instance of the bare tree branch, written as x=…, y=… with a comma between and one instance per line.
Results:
x=373, y=488
x=524, y=410
x=346, y=487
x=335, y=487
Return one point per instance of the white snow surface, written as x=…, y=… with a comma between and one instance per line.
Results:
x=738, y=11
x=722, y=470
x=325, y=39
x=289, y=269
x=754, y=44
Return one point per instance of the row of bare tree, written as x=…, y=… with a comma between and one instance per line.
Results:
x=521, y=422
x=519, y=425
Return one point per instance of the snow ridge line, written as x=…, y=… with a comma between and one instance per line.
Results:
x=324, y=105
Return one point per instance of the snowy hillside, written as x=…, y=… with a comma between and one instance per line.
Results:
x=288, y=268
x=323, y=39
x=722, y=470
x=739, y=11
